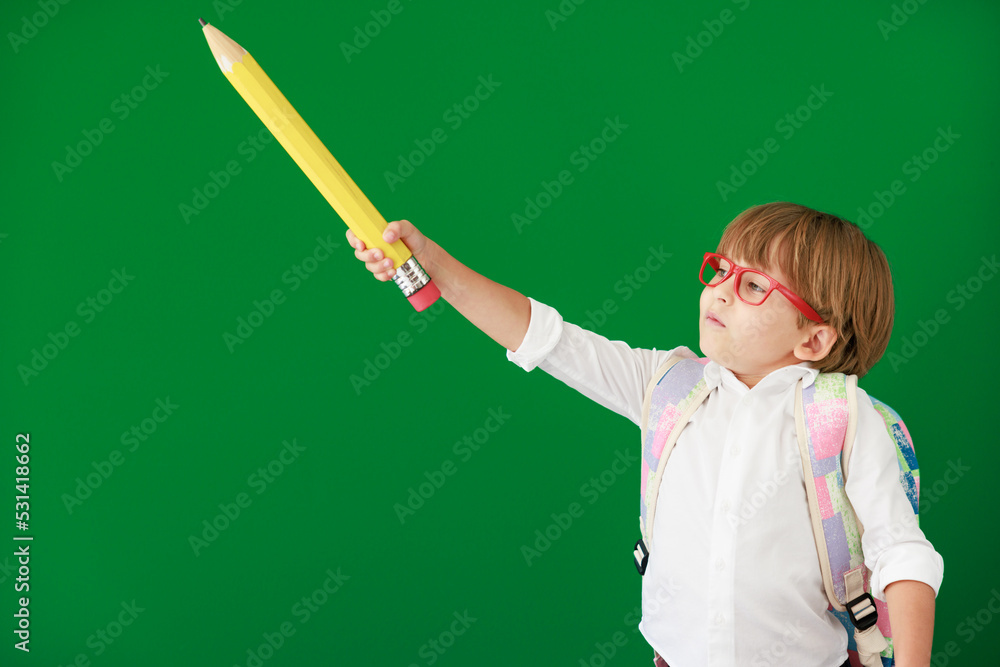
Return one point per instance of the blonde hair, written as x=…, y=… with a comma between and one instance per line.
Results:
x=830, y=263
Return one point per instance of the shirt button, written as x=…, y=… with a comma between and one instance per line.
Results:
x=720, y=564
x=725, y=505
x=748, y=400
x=719, y=619
x=735, y=450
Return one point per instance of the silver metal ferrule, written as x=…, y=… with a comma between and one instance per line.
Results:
x=410, y=276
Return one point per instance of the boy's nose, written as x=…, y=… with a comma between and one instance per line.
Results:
x=724, y=291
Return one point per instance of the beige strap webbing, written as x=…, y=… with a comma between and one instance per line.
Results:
x=852, y=423
x=870, y=641
x=849, y=437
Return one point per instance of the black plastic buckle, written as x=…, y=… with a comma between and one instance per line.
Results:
x=870, y=619
x=641, y=564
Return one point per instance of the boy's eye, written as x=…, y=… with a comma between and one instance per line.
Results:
x=754, y=287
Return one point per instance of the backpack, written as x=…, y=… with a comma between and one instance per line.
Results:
x=826, y=418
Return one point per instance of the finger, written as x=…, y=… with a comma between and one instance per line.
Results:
x=398, y=229
x=379, y=266
x=391, y=232
x=357, y=243
x=367, y=254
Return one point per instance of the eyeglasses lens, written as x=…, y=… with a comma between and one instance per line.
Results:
x=754, y=286
x=714, y=270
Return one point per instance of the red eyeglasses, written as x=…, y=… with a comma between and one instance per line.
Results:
x=753, y=287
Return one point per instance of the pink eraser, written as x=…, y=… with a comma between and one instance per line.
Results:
x=425, y=296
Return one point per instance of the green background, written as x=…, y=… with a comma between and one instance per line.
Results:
x=365, y=446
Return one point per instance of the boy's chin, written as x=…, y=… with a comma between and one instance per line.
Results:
x=708, y=350
x=708, y=345
x=719, y=356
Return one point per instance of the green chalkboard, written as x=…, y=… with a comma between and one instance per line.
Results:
x=226, y=411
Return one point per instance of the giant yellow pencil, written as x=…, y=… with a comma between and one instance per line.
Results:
x=318, y=164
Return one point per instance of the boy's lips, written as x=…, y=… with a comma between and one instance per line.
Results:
x=714, y=319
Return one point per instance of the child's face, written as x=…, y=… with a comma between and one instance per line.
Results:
x=751, y=341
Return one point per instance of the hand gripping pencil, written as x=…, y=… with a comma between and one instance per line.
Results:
x=319, y=165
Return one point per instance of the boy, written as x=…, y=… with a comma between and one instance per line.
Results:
x=789, y=293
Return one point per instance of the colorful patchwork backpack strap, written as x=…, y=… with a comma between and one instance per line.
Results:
x=909, y=480
x=826, y=418
x=909, y=471
x=675, y=392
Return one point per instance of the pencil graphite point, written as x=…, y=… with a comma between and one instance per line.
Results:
x=203, y=22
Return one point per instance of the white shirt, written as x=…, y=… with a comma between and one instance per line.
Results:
x=734, y=576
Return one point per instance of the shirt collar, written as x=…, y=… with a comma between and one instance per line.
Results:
x=719, y=376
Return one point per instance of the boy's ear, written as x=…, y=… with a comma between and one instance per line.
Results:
x=821, y=338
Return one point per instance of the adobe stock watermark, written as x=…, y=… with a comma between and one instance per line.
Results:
x=591, y=491
x=294, y=276
x=302, y=611
x=626, y=287
x=30, y=25
x=696, y=44
x=454, y=116
x=915, y=167
x=104, y=637
x=581, y=158
x=122, y=107
x=223, y=7
x=958, y=297
x=900, y=14
x=563, y=11
x=931, y=495
x=777, y=652
x=258, y=481
x=88, y=309
x=203, y=195
x=375, y=365
x=787, y=126
x=464, y=449
x=131, y=440
x=363, y=35
x=968, y=629
x=606, y=651
x=435, y=647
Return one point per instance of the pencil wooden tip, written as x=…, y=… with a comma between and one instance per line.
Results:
x=203, y=22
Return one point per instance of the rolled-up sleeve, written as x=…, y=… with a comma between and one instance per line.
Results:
x=609, y=372
x=544, y=331
x=894, y=546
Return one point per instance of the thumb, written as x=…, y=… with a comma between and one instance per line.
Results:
x=411, y=236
